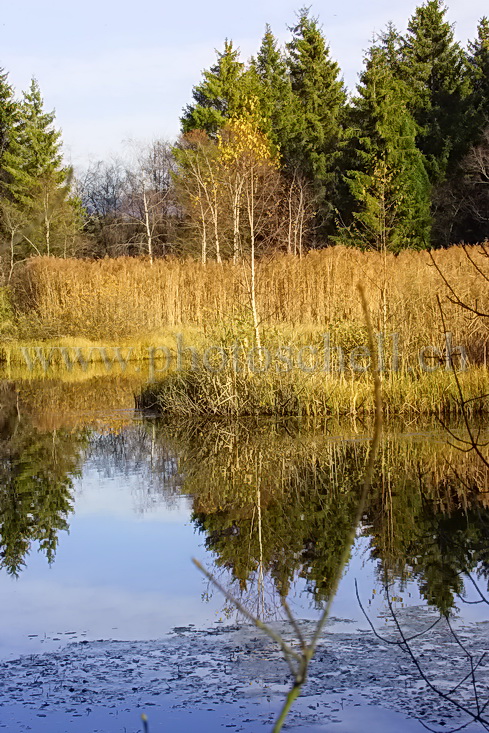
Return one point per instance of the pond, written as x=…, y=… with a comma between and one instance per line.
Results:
x=104, y=617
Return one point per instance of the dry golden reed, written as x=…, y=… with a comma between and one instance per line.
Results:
x=104, y=402
x=200, y=393
x=128, y=297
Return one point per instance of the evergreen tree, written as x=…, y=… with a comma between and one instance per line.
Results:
x=37, y=183
x=390, y=41
x=434, y=69
x=278, y=105
x=8, y=112
x=390, y=185
x=37, y=471
x=223, y=93
x=479, y=72
x=8, y=109
x=321, y=97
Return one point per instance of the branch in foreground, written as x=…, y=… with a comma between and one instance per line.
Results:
x=303, y=659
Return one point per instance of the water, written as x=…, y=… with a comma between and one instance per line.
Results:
x=102, y=509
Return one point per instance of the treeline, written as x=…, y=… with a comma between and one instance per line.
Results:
x=275, y=154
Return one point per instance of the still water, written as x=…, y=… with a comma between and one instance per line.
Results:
x=102, y=510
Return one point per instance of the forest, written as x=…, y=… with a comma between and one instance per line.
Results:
x=275, y=155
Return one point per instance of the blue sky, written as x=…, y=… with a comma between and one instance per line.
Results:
x=116, y=71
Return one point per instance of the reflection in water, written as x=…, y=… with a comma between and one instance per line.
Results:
x=36, y=481
x=135, y=451
x=275, y=501
x=280, y=499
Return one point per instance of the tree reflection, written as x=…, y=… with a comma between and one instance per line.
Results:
x=36, y=481
x=278, y=499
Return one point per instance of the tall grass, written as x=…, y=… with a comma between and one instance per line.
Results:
x=226, y=394
x=125, y=297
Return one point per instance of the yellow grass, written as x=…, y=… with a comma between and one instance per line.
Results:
x=129, y=298
x=129, y=304
x=194, y=393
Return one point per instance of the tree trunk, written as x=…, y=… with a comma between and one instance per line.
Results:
x=251, y=220
x=147, y=223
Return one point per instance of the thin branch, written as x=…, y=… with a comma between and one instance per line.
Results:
x=383, y=638
x=288, y=652
x=471, y=660
x=445, y=696
x=475, y=446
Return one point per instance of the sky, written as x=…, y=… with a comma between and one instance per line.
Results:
x=118, y=71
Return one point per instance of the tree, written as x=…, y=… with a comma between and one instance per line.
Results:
x=479, y=73
x=314, y=150
x=461, y=204
x=101, y=189
x=434, y=69
x=299, y=213
x=8, y=109
x=223, y=93
x=248, y=163
x=390, y=185
x=148, y=201
x=36, y=181
x=278, y=105
x=390, y=41
x=10, y=221
x=37, y=471
x=198, y=189
x=476, y=178
x=14, y=223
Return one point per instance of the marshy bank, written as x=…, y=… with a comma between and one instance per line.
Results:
x=189, y=329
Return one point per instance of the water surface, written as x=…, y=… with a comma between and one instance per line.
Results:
x=102, y=509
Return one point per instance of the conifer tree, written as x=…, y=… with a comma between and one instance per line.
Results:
x=320, y=93
x=434, y=69
x=37, y=183
x=278, y=105
x=223, y=93
x=479, y=72
x=390, y=185
x=8, y=109
x=9, y=220
x=390, y=41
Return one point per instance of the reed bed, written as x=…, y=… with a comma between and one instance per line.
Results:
x=225, y=394
x=129, y=303
x=127, y=297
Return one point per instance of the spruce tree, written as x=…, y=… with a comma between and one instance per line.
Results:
x=278, y=105
x=37, y=183
x=223, y=93
x=390, y=185
x=479, y=72
x=8, y=109
x=390, y=41
x=434, y=69
x=320, y=94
